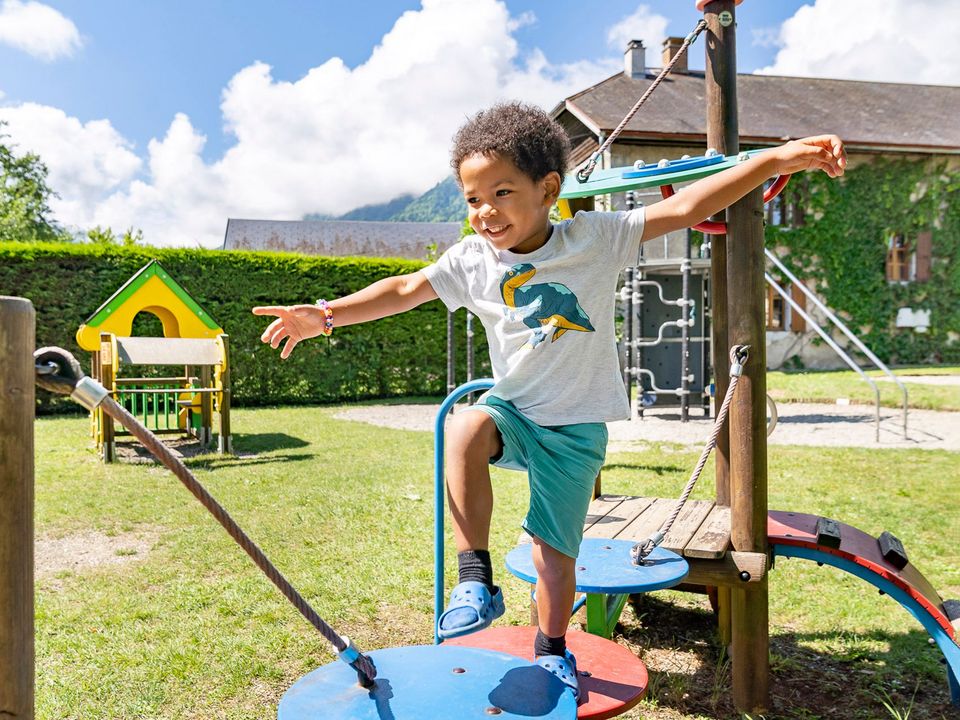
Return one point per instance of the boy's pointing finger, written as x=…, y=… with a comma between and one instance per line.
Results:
x=268, y=309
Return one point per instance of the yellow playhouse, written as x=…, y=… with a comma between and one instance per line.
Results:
x=184, y=403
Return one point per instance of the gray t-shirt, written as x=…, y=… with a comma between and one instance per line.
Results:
x=549, y=314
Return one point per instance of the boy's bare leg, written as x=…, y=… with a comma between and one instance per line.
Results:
x=472, y=439
x=556, y=588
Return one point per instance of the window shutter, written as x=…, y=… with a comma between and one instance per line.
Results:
x=924, y=255
x=797, y=323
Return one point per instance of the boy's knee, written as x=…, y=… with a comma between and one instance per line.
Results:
x=474, y=432
x=552, y=565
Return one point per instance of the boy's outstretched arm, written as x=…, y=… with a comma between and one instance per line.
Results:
x=712, y=194
x=390, y=296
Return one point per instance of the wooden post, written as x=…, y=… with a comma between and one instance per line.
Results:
x=723, y=135
x=17, y=340
x=225, y=443
x=750, y=642
x=720, y=78
x=746, y=482
x=107, y=430
x=206, y=406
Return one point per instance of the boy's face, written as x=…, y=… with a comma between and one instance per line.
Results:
x=505, y=206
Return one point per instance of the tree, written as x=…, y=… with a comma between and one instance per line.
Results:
x=24, y=198
x=106, y=236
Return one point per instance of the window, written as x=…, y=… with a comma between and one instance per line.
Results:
x=909, y=259
x=786, y=209
x=775, y=310
x=898, y=259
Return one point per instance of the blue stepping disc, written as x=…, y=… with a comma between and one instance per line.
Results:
x=605, y=566
x=431, y=681
x=674, y=166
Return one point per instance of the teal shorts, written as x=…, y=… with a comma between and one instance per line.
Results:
x=561, y=462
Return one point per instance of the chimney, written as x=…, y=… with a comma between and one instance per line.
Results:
x=634, y=60
x=670, y=47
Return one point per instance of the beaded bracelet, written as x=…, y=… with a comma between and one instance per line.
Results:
x=327, y=316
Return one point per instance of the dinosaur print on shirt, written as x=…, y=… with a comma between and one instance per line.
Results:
x=543, y=307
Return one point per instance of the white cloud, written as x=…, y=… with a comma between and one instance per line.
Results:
x=38, y=29
x=332, y=140
x=84, y=160
x=911, y=41
x=643, y=24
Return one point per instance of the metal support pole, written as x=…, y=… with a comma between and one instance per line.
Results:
x=17, y=340
x=636, y=308
x=628, y=322
x=626, y=305
x=451, y=358
x=469, y=353
x=685, y=332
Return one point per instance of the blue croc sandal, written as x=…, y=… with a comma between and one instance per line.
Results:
x=565, y=668
x=472, y=607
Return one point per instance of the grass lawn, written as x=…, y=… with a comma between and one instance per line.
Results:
x=828, y=386
x=186, y=627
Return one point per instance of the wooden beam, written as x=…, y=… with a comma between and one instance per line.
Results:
x=17, y=340
x=720, y=82
x=735, y=569
x=738, y=307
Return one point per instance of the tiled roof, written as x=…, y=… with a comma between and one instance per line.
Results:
x=867, y=115
x=340, y=238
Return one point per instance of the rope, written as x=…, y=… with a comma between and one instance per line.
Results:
x=59, y=372
x=583, y=174
x=738, y=358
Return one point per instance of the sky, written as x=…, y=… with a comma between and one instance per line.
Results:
x=172, y=116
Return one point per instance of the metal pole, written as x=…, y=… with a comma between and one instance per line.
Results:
x=685, y=332
x=451, y=359
x=17, y=340
x=626, y=304
x=439, y=492
x=636, y=308
x=628, y=330
x=469, y=353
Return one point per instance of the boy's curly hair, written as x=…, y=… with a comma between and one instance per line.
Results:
x=525, y=134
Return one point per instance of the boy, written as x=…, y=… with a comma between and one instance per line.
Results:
x=551, y=339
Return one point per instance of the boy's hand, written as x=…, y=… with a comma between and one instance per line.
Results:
x=294, y=322
x=823, y=152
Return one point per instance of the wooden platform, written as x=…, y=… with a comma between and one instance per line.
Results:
x=701, y=533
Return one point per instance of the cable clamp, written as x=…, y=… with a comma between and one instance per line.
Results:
x=639, y=551
x=349, y=654
x=739, y=354
x=89, y=393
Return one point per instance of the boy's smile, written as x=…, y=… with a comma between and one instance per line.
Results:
x=507, y=208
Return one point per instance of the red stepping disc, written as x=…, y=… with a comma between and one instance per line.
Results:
x=616, y=680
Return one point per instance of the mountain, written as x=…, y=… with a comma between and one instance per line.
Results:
x=442, y=203
x=381, y=211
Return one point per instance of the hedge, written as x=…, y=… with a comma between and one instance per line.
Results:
x=403, y=355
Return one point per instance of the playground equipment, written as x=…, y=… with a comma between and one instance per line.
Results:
x=729, y=542
x=182, y=404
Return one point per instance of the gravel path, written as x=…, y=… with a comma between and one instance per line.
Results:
x=800, y=424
